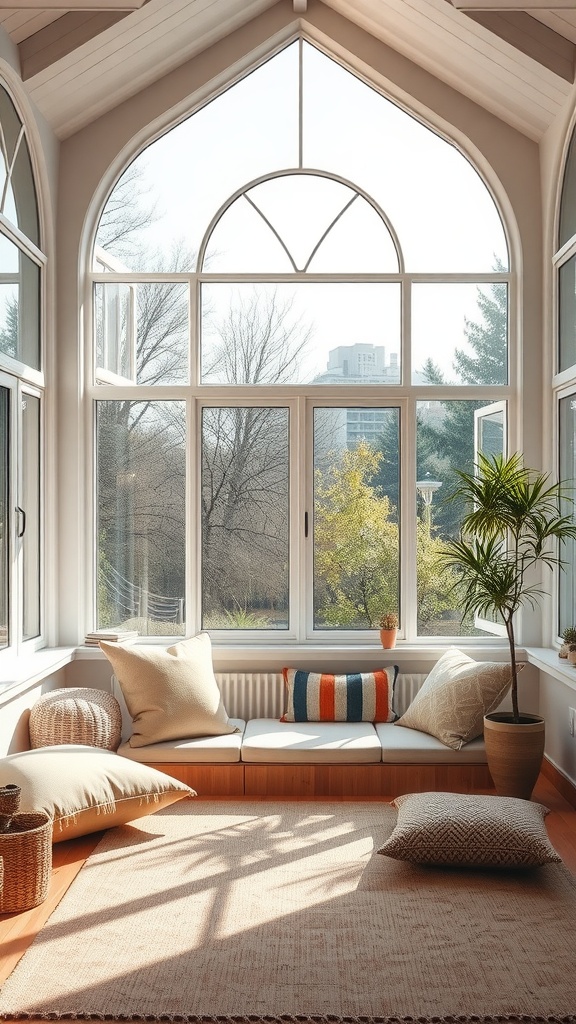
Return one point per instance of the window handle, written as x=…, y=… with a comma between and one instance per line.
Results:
x=305, y=524
x=22, y=517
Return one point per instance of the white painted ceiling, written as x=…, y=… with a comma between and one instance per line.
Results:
x=78, y=64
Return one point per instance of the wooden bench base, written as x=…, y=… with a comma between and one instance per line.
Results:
x=334, y=781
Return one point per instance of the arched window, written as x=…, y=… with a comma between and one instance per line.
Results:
x=21, y=386
x=295, y=290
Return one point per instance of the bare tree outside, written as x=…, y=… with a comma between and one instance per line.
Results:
x=245, y=468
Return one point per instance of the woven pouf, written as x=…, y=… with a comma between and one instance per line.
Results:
x=26, y=854
x=76, y=715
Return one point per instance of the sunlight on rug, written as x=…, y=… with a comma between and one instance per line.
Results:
x=249, y=911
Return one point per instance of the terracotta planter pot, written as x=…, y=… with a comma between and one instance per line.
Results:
x=514, y=751
x=388, y=638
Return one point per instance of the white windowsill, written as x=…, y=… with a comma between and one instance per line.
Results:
x=547, y=660
x=273, y=657
x=22, y=671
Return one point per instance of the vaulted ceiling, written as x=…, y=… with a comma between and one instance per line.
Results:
x=515, y=57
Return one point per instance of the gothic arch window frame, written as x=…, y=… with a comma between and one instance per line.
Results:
x=196, y=395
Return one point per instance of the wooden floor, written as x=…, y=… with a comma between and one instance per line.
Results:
x=18, y=930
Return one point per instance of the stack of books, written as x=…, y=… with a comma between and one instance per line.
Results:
x=114, y=636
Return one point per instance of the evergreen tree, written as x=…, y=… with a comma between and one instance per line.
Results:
x=488, y=338
x=9, y=329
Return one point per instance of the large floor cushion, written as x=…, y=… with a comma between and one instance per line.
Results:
x=409, y=746
x=202, y=750
x=268, y=741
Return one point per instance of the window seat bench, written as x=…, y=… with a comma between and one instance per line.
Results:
x=270, y=758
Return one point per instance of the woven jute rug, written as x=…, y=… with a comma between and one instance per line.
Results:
x=284, y=911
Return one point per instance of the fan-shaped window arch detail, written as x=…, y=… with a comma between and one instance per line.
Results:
x=18, y=200
x=301, y=221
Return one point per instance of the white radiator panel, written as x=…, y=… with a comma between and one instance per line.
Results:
x=407, y=686
x=252, y=694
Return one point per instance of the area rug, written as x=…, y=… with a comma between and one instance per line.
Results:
x=243, y=911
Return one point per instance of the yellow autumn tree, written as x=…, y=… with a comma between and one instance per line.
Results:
x=355, y=543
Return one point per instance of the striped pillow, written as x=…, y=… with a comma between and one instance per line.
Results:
x=355, y=697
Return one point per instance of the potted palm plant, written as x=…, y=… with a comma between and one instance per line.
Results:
x=514, y=526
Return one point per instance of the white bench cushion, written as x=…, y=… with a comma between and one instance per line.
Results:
x=268, y=741
x=408, y=746
x=201, y=750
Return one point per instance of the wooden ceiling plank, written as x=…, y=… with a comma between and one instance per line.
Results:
x=73, y=5
x=61, y=37
x=513, y=5
x=533, y=38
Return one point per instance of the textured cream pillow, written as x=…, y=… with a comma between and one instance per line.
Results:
x=86, y=789
x=469, y=831
x=455, y=696
x=171, y=693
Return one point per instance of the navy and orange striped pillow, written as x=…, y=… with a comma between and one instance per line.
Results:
x=354, y=697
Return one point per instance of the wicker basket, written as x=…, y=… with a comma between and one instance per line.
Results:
x=9, y=804
x=26, y=851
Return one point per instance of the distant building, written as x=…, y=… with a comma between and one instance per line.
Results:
x=360, y=364
x=357, y=364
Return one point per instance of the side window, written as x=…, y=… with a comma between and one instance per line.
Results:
x=21, y=388
x=564, y=382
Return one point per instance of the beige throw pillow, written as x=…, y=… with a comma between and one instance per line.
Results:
x=455, y=696
x=469, y=831
x=171, y=693
x=86, y=789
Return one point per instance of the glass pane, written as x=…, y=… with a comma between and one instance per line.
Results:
x=245, y=516
x=444, y=215
x=16, y=179
x=279, y=224
x=491, y=438
x=175, y=187
x=19, y=305
x=567, y=471
x=568, y=201
x=356, y=531
x=142, y=331
x=445, y=444
x=141, y=512
x=113, y=328
x=460, y=334
x=31, y=505
x=567, y=314
x=4, y=517
x=301, y=333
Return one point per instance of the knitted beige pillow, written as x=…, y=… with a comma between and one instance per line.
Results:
x=455, y=696
x=171, y=693
x=463, y=830
x=76, y=714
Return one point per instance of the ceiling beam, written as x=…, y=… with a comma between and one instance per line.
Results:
x=61, y=37
x=514, y=5
x=73, y=5
x=531, y=37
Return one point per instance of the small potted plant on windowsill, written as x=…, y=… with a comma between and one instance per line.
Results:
x=388, y=630
x=568, y=641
